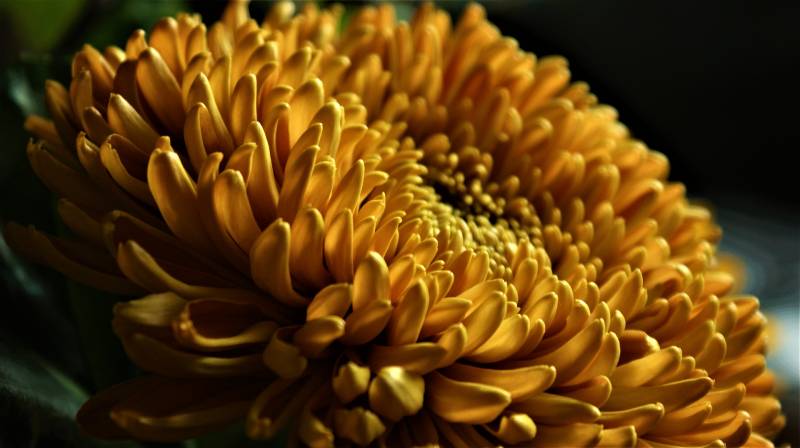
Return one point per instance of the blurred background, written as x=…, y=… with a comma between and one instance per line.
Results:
x=710, y=84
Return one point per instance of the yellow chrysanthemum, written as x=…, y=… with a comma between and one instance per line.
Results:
x=400, y=234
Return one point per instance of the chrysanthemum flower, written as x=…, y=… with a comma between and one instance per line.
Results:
x=399, y=234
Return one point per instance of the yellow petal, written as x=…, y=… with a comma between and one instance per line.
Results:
x=40, y=248
x=577, y=319
x=350, y=381
x=484, y=321
x=155, y=356
x=733, y=433
x=577, y=434
x=386, y=232
x=284, y=358
x=124, y=119
x=165, y=37
x=476, y=294
x=740, y=370
x=201, y=92
x=694, y=339
x=520, y=383
x=358, y=425
x=763, y=410
x=333, y=300
x=534, y=338
x=622, y=436
x=636, y=344
x=743, y=339
x=348, y=191
x=139, y=266
x=138, y=409
x=118, y=170
x=396, y=393
x=189, y=265
x=679, y=306
x=459, y=435
x=160, y=89
x=401, y=271
x=713, y=355
x=195, y=326
x=557, y=409
x=277, y=405
x=89, y=156
x=58, y=104
x=261, y=186
x=576, y=354
x=362, y=238
x=306, y=101
x=313, y=432
x=407, y=317
x=198, y=134
x=243, y=106
x=371, y=281
x=64, y=181
x=629, y=298
x=80, y=92
x=331, y=116
x=220, y=82
x=508, y=338
x=453, y=340
x=79, y=222
x=671, y=395
x=683, y=420
x=642, y=418
x=514, y=428
x=339, y=247
x=298, y=174
x=307, y=249
x=318, y=334
x=176, y=195
x=320, y=186
x=44, y=129
x=595, y=391
x=465, y=402
x=420, y=358
x=543, y=309
x=643, y=370
x=232, y=208
x=269, y=258
x=604, y=363
x=446, y=312
x=366, y=323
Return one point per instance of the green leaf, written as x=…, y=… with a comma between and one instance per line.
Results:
x=34, y=384
x=92, y=311
x=40, y=24
x=20, y=91
x=115, y=25
x=38, y=402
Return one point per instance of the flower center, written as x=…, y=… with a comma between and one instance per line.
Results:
x=490, y=216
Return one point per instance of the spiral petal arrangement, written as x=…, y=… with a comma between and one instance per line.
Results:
x=396, y=234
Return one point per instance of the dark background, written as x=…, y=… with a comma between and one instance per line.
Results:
x=713, y=85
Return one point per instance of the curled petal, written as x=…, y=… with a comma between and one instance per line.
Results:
x=465, y=402
x=316, y=335
x=166, y=410
x=520, y=383
x=270, y=264
x=284, y=358
x=396, y=393
x=358, y=425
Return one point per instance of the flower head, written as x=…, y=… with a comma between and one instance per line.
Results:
x=401, y=233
